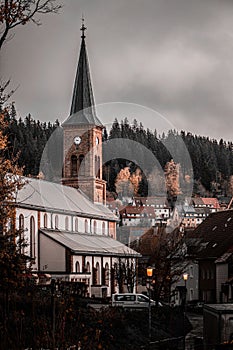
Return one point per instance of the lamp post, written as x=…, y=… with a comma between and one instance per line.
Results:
x=185, y=278
x=149, y=273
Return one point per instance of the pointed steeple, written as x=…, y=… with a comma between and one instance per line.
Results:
x=83, y=104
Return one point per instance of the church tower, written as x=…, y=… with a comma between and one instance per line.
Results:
x=82, y=150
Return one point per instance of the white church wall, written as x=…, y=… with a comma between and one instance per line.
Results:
x=30, y=223
x=52, y=255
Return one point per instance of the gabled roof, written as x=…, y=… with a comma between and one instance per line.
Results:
x=223, y=258
x=80, y=243
x=45, y=195
x=83, y=104
x=197, y=201
x=212, y=202
x=214, y=235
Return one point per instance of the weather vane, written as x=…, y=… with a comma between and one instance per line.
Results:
x=83, y=28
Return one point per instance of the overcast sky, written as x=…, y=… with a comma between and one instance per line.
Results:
x=173, y=56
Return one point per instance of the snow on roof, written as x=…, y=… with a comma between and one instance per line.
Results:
x=45, y=195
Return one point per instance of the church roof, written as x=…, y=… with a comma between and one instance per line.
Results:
x=83, y=104
x=45, y=195
x=93, y=244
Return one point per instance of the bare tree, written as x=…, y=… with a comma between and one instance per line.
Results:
x=125, y=274
x=20, y=12
x=166, y=252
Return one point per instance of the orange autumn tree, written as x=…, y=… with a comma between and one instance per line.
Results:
x=172, y=180
x=127, y=184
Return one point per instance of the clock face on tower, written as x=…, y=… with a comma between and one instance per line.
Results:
x=77, y=140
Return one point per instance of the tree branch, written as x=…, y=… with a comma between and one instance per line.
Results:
x=20, y=12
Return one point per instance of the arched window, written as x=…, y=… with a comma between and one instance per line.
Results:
x=21, y=233
x=106, y=274
x=74, y=166
x=97, y=166
x=95, y=227
x=66, y=223
x=103, y=228
x=97, y=273
x=45, y=220
x=76, y=225
x=88, y=267
x=77, y=267
x=32, y=238
x=21, y=222
x=56, y=222
x=86, y=226
x=81, y=165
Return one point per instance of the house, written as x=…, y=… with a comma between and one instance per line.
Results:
x=213, y=240
x=195, y=212
x=137, y=216
x=210, y=260
x=189, y=287
x=71, y=234
x=144, y=211
x=211, y=203
x=160, y=204
x=192, y=214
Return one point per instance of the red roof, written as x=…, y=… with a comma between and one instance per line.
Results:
x=213, y=202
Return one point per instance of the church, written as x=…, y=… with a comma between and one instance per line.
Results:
x=70, y=233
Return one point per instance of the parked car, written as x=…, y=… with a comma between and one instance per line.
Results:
x=132, y=300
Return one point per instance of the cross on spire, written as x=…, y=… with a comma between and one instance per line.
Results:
x=83, y=28
x=83, y=104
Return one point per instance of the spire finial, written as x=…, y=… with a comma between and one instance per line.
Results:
x=83, y=28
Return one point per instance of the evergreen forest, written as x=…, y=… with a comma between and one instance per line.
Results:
x=27, y=139
x=212, y=160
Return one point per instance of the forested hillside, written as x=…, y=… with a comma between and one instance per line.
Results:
x=27, y=140
x=212, y=160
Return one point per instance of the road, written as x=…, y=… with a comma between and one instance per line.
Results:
x=196, y=335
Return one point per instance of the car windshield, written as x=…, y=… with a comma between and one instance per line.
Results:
x=143, y=298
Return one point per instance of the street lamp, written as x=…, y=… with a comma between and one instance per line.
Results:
x=185, y=278
x=149, y=273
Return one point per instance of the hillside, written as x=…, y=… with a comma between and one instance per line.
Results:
x=212, y=160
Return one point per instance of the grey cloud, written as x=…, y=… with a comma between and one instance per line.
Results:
x=174, y=56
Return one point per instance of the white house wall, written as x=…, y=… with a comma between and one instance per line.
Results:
x=191, y=284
